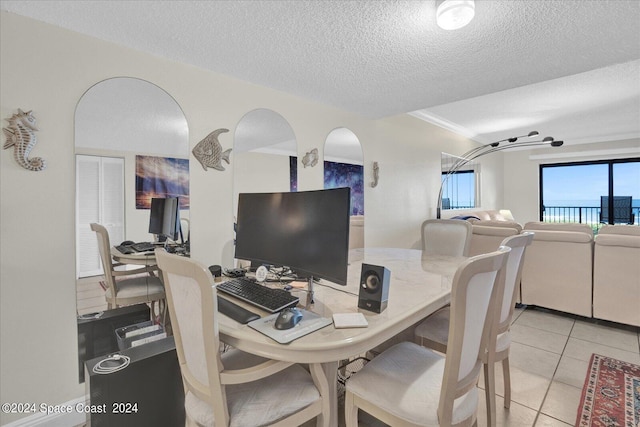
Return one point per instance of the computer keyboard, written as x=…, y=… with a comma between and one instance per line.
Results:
x=268, y=299
x=143, y=247
x=125, y=249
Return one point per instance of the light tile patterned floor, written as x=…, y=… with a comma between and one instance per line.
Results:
x=549, y=356
x=550, y=352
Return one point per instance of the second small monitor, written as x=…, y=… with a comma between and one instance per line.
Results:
x=164, y=218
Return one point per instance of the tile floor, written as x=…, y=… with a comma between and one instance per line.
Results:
x=550, y=352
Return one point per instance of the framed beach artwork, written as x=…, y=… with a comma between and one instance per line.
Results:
x=161, y=177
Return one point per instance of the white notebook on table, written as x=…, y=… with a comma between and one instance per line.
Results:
x=349, y=320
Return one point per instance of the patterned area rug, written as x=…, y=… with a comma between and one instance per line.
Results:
x=611, y=394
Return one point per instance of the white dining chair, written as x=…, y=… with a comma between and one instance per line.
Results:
x=446, y=237
x=128, y=287
x=410, y=385
x=232, y=388
x=433, y=332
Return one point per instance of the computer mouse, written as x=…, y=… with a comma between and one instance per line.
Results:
x=288, y=318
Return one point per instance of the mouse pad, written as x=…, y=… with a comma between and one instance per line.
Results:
x=310, y=322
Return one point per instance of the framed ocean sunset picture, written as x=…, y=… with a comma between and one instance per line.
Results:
x=161, y=177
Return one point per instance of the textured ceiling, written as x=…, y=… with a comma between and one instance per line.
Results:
x=567, y=67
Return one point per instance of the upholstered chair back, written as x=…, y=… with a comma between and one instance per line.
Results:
x=478, y=286
x=513, y=273
x=446, y=237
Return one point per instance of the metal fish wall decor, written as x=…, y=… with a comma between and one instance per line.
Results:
x=21, y=136
x=209, y=151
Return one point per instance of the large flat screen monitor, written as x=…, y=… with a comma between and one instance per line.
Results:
x=307, y=231
x=164, y=219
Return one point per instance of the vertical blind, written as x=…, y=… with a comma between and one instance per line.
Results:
x=100, y=199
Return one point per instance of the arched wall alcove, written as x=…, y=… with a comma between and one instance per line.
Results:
x=120, y=123
x=343, y=167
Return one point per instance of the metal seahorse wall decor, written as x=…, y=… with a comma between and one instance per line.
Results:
x=21, y=136
x=376, y=175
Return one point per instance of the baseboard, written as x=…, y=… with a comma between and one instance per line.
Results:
x=42, y=419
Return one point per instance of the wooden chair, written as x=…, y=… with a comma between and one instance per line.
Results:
x=446, y=237
x=143, y=288
x=232, y=388
x=410, y=385
x=434, y=331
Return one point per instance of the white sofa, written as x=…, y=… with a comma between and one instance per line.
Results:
x=565, y=268
x=489, y=228
x=616, y=274
x=557, y=271
x=480, y=214
x=487, y=235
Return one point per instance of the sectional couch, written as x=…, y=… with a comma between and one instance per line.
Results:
x=558, y=267
x=566, y=268
x=489, y=227
x=616, y=274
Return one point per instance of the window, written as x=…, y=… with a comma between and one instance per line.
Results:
x=459, y=190
x=586, y=192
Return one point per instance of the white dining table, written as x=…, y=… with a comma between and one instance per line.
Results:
x=420, y=285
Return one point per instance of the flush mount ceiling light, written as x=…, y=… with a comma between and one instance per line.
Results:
x=454, y=14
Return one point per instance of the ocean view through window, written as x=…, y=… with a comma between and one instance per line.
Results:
x=586, y=192
x=460, y=189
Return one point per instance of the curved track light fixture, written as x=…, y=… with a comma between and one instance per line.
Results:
x=503, y=144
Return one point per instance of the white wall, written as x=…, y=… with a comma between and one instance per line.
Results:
x=259, y=173
x=47, y=70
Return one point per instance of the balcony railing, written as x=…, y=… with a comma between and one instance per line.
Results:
x=583, y=214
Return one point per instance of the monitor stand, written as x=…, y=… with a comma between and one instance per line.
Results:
x=309, y=293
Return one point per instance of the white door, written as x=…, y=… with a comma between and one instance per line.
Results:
x=100, y=199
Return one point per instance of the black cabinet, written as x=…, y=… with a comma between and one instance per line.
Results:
x=97, y=332
x=148, y=392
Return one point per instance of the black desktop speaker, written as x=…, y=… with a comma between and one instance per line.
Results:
x=374, y=288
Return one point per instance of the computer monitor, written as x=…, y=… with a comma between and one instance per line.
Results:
x=164, y=218
x=307, y=231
